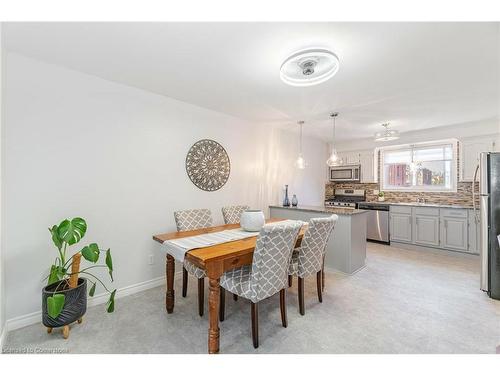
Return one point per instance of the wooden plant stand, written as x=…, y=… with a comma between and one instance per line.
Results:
x=73, y=282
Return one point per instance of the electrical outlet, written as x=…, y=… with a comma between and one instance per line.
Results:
x=151, y=259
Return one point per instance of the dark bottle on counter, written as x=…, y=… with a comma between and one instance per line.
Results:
x=295, y=202
x=286, y=201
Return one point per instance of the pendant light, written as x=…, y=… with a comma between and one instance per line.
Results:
x=334, y=158
x=300, y=163
x=386, y=134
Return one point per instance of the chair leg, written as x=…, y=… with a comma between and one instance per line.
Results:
x=235, y=297
x=201, y=295
x=290, y=279
x=319, y=286
x=301, y=296
x=222, y=303
x=255, y=324
x=323, y=275
x=284, y=321
x=184, y=282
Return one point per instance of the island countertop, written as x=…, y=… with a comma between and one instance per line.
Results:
x=332, y=210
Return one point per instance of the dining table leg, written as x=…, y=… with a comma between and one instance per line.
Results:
x=169, y=296
x=213, y=315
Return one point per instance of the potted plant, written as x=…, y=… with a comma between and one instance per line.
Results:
x=64, y=299
x=381, y=196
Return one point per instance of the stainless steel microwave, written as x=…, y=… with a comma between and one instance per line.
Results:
x=345, y=173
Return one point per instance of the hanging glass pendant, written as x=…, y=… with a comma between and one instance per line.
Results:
x=300, y=163
x=334, y=159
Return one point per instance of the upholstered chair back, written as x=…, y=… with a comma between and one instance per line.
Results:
x=193, y=219
x=271, y=257
x=232, y=214
x=313, y=246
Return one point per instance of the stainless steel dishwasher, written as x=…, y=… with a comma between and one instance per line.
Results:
x=377, y=226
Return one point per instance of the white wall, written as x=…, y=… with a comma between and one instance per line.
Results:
x=2, y=283
x=77, y=145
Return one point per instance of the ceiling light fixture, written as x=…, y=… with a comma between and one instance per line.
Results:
x=386, y=134
x=300, y=163
x=309, y=67
x=334, y=158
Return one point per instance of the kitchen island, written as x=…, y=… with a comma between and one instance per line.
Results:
x=346, y=248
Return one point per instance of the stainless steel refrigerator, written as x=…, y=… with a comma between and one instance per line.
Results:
x=489, y=218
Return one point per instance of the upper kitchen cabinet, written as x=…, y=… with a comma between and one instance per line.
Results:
x=364, y=158
x=368, y=166
x=469, y=154
x=350, y=157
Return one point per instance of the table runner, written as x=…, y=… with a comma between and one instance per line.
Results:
x=178, y=247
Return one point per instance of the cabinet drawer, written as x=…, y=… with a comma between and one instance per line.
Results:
x=427, y=211
x=454, y=212
x=401, y=209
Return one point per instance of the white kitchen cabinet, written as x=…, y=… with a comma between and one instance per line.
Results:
x=473, y=233
x=366, y=160
x=400, y=224
x=350, y=157
x=454, y=229
x=469, y=154
x=439, y=227
x=426, y=226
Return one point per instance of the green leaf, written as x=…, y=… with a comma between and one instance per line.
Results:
x=111, y=302
x=92, y=290
x=72, y=231
x=55, y=305
x=56, y=274
x=55, y=237
x=91, y=252
x=109, y=263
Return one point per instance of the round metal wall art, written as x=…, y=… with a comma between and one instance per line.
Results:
x=208, y=165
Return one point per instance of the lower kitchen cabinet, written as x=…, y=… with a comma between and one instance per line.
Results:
x=454, y=229
x=444, y=228
x=401, y=224
x=427, y=230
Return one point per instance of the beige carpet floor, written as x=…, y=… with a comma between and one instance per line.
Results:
x=403, y=301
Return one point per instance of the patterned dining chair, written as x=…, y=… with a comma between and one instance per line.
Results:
x=308, y=259
x=267, y=275
x=191, y=220
x=232, y=214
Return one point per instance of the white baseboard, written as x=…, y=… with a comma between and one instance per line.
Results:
x=35, y=317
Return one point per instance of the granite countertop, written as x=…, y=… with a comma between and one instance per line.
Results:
x=332, y=210
x=418, y=204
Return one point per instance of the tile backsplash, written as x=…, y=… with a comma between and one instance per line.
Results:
x=462, y=197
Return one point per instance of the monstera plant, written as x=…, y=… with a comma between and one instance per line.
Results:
x=56, y=297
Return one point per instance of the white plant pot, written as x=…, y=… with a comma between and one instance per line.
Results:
x=381, y=199
x=252, y=220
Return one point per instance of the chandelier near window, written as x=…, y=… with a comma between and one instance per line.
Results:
x=386, y=134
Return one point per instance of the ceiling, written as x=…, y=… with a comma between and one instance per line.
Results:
x=413, y=75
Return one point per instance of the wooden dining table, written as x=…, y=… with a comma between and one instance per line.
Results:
x=215, y=260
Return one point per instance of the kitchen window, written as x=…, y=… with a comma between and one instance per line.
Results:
x=424, y=167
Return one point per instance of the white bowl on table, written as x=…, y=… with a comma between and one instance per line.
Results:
x=252, y=220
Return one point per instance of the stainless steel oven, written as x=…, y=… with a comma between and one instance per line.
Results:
x=345, y=173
